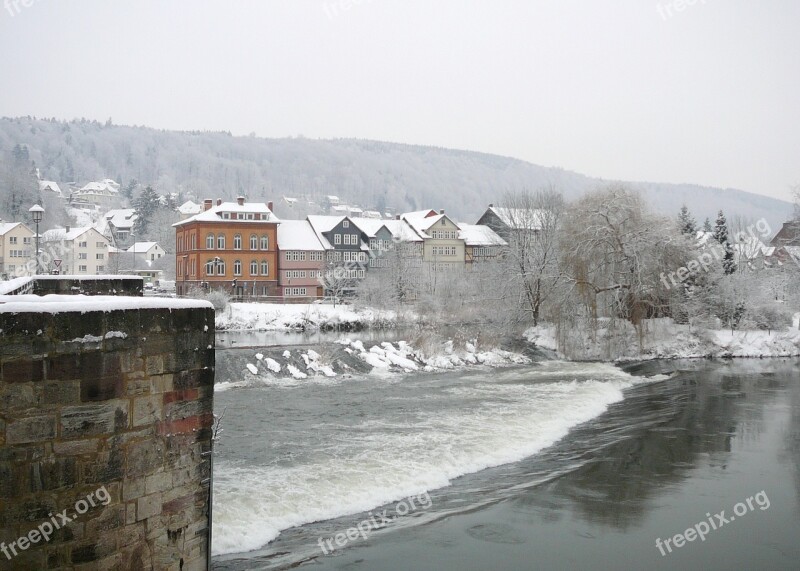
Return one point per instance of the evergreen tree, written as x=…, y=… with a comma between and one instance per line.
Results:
x=721, y=236
x=686, y=222
x=707, y=225
x=146, y=205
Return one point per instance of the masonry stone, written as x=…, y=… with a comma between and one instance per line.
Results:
x=129, y=412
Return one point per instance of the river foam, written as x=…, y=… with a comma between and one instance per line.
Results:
x=356, y=467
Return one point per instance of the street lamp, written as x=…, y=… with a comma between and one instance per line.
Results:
x=37, y=212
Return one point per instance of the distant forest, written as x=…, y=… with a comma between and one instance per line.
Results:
x=370, y=174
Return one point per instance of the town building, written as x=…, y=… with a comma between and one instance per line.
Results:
x=346, y=253
x=507, y=221
x=443, y=249
x=231, y=246
x=117, y=226
x=17, y=244
x=481, y=244
x=301, y=261
x=75, y=251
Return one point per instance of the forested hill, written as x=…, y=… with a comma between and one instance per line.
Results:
x=370, y=174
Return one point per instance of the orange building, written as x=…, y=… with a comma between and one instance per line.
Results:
x=231, y=246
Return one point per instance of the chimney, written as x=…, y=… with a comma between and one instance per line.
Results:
x=397, y=217
x=219, y=202
x=269, y=205
x=491, y=205
x=240, y=200
x=207, y=203
x=66, y=230
x=441, y=211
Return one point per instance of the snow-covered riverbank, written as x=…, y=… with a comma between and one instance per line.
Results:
x=301, y=316
x=665, y=339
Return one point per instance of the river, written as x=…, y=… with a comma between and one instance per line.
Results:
x=510, y=468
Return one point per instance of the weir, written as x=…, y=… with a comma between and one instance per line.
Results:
x=106, y=413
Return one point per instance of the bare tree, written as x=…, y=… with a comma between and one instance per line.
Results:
x=616, y=253
x=534, y=219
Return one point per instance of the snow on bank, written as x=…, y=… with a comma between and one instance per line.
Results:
x=664, y=339
x=270, y=317
x=308, y=366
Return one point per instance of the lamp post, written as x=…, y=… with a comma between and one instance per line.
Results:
x=37, y=212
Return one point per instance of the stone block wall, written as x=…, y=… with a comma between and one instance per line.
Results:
x=88, y=285
x=105, y=437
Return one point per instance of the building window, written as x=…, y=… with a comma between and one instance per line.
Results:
x=253, y=242
x=100, y=269
x=316, y=256
x=26, y=240
x=210, y=268
x=100, y=244
x=265, y=242
x=82, y=269
x=346, y=224
x=82, y=244
x=237, y=268
x=264, y=268
x=337, y=239
x=83, y=256
x=221, y=242
x=221, y=268
x=253, y=268
x=295, y=291
x=12, y=240
x=99, y=256
x=237, y=242
x=210, y=242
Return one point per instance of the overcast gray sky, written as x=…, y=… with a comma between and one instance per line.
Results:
x=705, y=92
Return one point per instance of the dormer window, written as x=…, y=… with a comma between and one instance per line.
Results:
x=346, y=224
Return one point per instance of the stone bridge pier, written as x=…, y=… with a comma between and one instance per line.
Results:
x=106, y=413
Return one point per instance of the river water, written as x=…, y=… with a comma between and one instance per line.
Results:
x=583, y=450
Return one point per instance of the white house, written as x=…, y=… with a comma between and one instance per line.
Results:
x=82, y=251
x=117, y=225
x=17, y=243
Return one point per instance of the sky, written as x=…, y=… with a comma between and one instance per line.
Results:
x=681, y=91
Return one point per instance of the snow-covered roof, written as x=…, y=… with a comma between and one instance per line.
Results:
x=190, y=207
x=121, y=219
x=341, y=208
x=49, y=185
x=422, y=220
x=216, y=213
x=61, y=234
x=100, y=187
x=749, y=248
x=519, y=218
x=142, y=247
x=6, y=227
x=372, y=214
x=298, y=235
x=356, y=210
x=321, y=223
x=479, y=235
x=398, y=228
x=333, y=198
x=289, y=200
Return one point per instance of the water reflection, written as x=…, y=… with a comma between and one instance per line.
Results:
x=650, y=443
